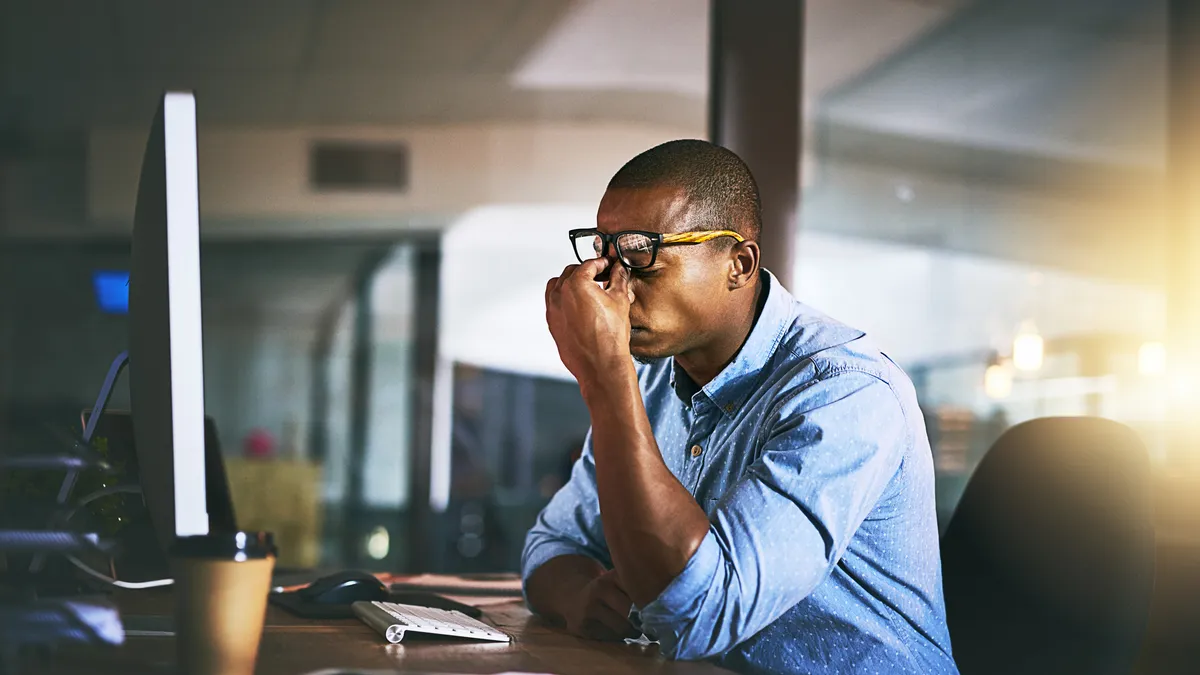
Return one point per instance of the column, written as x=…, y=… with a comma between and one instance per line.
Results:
x=755, y=97
x=425, y=542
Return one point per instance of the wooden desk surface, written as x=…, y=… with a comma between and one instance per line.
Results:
x=294, y=646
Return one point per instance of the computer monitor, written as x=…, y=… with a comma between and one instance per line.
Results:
x=166, y=361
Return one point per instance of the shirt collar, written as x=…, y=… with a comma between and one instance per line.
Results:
x=737, y=380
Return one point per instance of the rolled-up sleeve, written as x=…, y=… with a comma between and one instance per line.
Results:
x=570, y=523
x=830, y=453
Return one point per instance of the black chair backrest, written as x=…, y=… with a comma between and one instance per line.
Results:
x=1048, y=560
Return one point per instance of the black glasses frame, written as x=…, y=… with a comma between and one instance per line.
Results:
x=657, y=240
x=611, y=240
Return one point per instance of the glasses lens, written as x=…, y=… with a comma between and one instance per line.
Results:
x=588, y=246
x=637, y=250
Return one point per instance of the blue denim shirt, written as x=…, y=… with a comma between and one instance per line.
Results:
x=810, y=457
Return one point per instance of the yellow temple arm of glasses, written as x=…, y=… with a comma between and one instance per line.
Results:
x=699, y=236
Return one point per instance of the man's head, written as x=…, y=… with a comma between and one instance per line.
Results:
x=693, y=292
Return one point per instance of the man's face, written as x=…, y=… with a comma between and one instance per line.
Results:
x=685, y=295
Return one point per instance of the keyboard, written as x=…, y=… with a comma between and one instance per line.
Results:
x=392, y=620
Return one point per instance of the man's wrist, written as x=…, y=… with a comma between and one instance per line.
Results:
x=608, y=378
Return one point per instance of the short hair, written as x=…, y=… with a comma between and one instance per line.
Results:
x=721, y=192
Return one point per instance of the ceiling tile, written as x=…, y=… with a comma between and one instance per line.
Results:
x=426, y=36
x=57, y=38
x=214, y=35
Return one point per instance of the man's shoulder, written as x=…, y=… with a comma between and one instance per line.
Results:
x=831, y=347
x=820, y=349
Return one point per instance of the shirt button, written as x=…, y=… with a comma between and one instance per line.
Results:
x=729, y=408
x=696, y=450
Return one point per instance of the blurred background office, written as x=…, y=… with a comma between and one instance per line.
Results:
x=386, y=185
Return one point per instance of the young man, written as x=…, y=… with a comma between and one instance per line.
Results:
x=760, y=489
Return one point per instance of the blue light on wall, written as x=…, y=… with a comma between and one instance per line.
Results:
x=112, y=291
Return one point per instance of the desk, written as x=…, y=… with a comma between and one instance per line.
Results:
x=293, y=646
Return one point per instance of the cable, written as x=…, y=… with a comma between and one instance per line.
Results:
x=99, y=576
x=133, y=585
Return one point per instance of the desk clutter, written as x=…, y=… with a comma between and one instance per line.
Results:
x=393, y=621
x=40, y=604
x=331, y=596
x=418, y=604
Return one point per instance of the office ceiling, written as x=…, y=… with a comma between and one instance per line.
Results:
x=1054, y=114
x=70, y=64
x=1081, y=79
x=996, y=90
x=1073, y=79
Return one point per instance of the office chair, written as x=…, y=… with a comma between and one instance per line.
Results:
x=1048, y=560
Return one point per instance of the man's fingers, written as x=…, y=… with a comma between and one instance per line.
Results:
x=618, y=283
x=587, y=271
x=592, y=268
x=567, y=273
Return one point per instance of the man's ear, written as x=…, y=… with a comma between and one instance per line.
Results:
x=743, y=264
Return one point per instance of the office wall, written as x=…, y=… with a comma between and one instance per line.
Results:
x=44, y=185
x=393, y=385
x=918, y=302
x=262, y=307
x=257, y=377
x=1079, y=221
x=60, y=344
x=922, y=304
x=250, y=174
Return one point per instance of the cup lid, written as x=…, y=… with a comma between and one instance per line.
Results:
x=225, y=545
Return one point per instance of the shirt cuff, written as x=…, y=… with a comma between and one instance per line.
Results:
x=672, y=612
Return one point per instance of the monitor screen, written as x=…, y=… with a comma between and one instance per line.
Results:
x=112, y=291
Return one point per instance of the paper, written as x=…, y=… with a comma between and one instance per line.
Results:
x=492, y=584
x=479, y=591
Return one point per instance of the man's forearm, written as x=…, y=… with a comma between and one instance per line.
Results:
x=558, y=581
x=652, y=524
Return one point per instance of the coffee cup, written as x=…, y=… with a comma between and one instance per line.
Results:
x=222, y=581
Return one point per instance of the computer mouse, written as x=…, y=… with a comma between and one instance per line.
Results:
x=344, y=588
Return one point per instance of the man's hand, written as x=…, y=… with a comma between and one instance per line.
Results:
x=600, y=611
x=590, y=324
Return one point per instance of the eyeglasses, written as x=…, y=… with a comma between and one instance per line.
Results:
x=637, y=249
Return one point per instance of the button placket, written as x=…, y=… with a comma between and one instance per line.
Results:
x=703, y=427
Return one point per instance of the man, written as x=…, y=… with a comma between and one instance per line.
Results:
x=760, y=489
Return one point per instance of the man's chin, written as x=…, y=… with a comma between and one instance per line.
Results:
x=643, y=348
